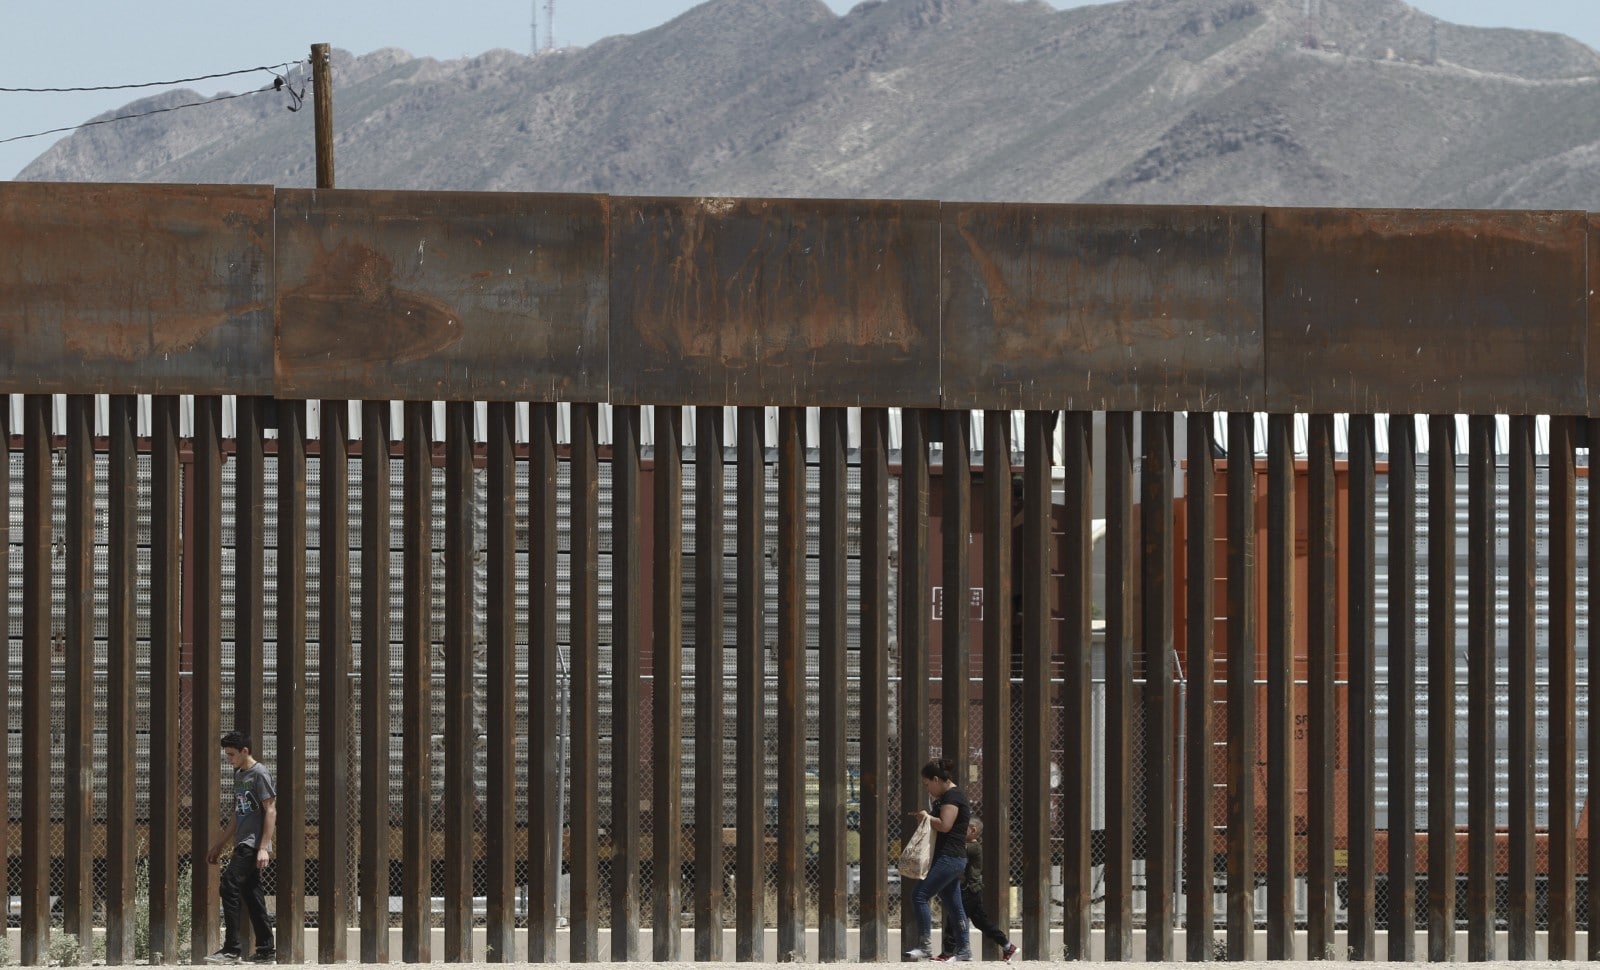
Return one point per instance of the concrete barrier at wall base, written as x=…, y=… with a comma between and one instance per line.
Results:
x=1096, y=950
x=1096, y=945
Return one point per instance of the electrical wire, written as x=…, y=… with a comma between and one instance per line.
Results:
x=280, y=85
x=274, y=69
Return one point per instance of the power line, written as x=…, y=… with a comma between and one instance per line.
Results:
x=151, y=84
x=298, y=97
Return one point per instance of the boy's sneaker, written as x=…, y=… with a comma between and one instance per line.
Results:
x=262, y=956
x=918, y=953
x=955, y=957
x=223, y=956
x=1009, y=952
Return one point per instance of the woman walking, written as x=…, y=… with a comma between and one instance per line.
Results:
x=951, y=810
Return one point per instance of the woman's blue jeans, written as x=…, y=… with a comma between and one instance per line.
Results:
x=943, y=880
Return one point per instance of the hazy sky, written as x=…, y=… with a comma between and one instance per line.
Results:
x=77, y=43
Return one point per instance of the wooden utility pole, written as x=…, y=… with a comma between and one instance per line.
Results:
x=322, y=92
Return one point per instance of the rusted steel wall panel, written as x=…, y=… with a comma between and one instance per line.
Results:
x=291, y=646
x=377, y=668
x=997, y=634
x=1481, y=622
x=250, y=568
x=500, y=704
x=1200, y=648
x=709, y=797
x=1441, y=689
x=136, y=288
x=791, y=750
x=544, y=841
x=205, y=713
x=1562, y=939
x=1077, y=669
x=750, y=744
x=460, y=644
x=77, y=909
x=1279, y=854
x=875, y=711
x=584, y=939
x=1402, y=495
x=915, y=600
x=1592, y=373
x=1593, y=923
x=416, y=704
x=122, y=571
x=1156, y=589
x=119, y=923
x=1102, y=307
x=955, y=688
x=775, y=302
x=166, y=488
x=1241, y=750
x=1321, y=646
x=1122, y=626
x=666, y=688
x=1035, y=644
x=1523, y=744
x=442, y=295
x=1362, y=701
x=37, y=489
x=333, y=686
x=627, y=626
x=1390, y=310
x=832, y=713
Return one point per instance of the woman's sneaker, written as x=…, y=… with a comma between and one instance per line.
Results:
x=1009, y=952
x=955, y=957
x=223, y=956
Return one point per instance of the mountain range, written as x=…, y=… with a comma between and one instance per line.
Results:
x=1248, y=102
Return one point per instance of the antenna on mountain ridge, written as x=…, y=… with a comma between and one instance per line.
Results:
x=549, y=25
x=533, y=27
x=1311, y=8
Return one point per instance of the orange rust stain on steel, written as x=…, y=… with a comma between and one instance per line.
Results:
x=162, y=334
x=1471, y=229
x=815, y=292
x=350, y=311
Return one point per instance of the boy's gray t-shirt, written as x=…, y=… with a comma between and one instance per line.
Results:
x=252, y=787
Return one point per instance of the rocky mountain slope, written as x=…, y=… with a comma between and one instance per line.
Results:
x=1369, y=103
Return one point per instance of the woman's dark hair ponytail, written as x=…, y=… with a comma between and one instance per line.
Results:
x=941, y=768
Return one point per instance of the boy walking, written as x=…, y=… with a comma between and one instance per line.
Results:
x=972, y=901
x=248, y=834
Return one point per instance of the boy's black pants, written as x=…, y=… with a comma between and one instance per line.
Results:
x=973, y=904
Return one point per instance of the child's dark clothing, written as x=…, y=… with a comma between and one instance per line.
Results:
x=972, y=902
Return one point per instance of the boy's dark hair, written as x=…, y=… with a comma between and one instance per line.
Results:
x=237, y=740
x=941, y=768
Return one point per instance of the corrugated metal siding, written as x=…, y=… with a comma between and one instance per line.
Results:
x=1502, y=594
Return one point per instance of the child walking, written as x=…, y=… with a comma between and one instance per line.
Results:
x=972, y=901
